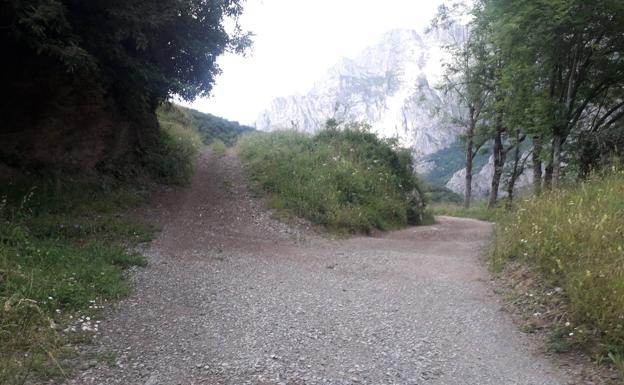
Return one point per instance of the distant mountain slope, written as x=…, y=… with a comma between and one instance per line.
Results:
x=390, y=85
x=442, y=165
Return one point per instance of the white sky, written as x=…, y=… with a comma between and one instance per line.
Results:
x=296, y=41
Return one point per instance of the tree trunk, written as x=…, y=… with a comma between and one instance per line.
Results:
x=499, y=162
x=469, y=157
x=537, y=165
x=556, y=159
x=515, y=172
x=548, y=171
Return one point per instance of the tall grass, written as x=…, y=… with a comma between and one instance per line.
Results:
x=172, y=157
x=347, y=180
x=573, y=239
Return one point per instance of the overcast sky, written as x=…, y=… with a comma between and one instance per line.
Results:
x=296, y=41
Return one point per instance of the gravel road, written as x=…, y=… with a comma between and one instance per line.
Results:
x=232, y=296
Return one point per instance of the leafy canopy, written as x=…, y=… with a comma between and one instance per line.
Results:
x=152, y=48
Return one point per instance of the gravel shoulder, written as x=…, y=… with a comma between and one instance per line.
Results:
x=232, y=296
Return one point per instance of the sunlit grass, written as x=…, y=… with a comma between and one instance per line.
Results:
x=573, y=240
x=346, y=180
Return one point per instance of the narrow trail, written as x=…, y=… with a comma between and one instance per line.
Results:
x=232, y=296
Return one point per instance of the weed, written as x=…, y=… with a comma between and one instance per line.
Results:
x=617, y=360
x=106, y=357
x=227, y=186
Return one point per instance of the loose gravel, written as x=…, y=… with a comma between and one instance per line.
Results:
x=232, y=296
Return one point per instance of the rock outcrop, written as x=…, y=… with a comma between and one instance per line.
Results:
x=482, y=180
x=390, y=85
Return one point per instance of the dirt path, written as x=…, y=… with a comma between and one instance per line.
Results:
x=232, y=296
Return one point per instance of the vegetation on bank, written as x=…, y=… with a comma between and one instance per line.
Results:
x=210, y=128
x=83, y=81
x=63, y=251
x=347, y=180
x=65, y=243
x=172, y=158
x=572, y=240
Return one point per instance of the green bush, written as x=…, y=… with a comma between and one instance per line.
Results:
x=209, y=127
x=345, y=179
x=573, y=239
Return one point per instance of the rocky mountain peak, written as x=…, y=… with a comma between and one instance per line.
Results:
x=388, y=85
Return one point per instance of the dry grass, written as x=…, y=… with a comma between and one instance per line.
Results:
x=571, y=240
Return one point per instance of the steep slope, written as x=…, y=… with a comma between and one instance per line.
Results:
x=390, y=85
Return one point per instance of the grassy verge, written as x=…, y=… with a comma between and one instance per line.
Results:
x=65, y=244
x=477, y=211
x=571, y=241
x=346, y=180
x=63, y=251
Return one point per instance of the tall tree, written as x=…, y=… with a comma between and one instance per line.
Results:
x=464, y=79
x=569, y=52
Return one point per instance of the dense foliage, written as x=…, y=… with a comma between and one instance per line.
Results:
x=96, y=71
x=212, y=128
x=573, y=239
x=449, y=160
x=345, y=179
x=550, y=72
x=151, y=48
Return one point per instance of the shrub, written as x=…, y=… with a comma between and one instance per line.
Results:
x=345, y=179
x=573, y=238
